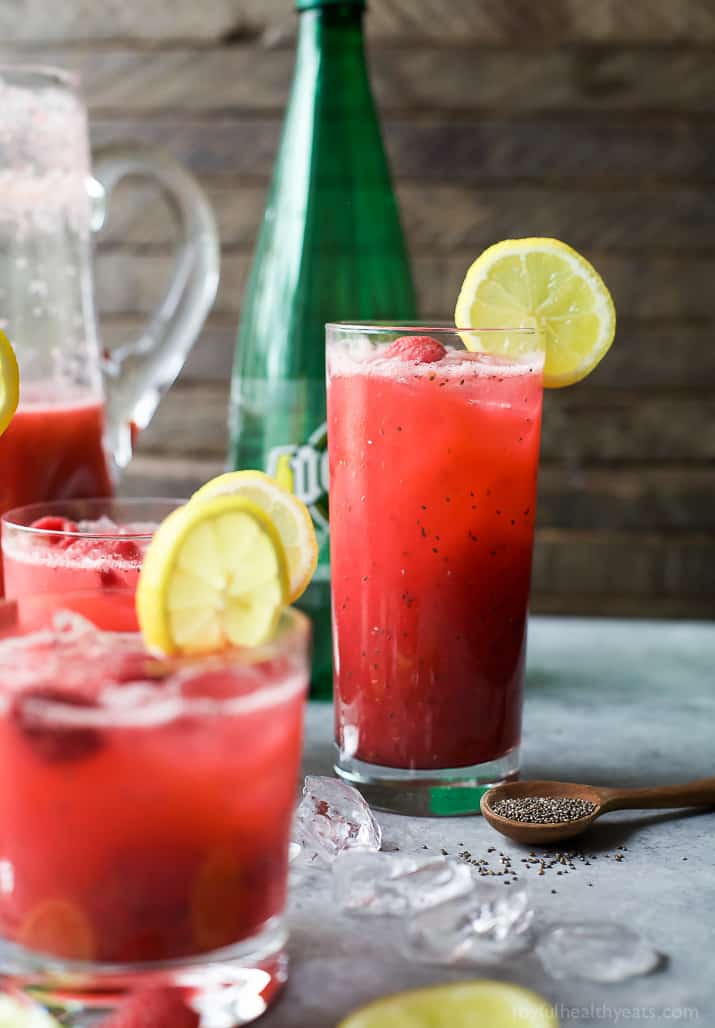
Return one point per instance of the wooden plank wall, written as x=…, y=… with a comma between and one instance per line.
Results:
x=592, y=120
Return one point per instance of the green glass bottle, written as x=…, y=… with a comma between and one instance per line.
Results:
x=330, y=248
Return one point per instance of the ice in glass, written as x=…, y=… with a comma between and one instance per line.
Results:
x=88, y=550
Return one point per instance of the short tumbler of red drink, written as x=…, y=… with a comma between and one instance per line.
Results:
x=88, y=550
x=146, y=815
x=433, y=465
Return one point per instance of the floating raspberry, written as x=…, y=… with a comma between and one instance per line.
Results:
x=152, y=1008
x=420, y=349
x=126, y=549
x=54, y=741
x=110, y=579
x=53, y=523
x=139, y=667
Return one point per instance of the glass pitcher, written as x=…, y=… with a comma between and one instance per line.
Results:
x=79, y=409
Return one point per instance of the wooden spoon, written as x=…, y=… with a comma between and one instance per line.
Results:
x=690, y=794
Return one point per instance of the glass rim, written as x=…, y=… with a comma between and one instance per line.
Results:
x=43, y=72
x=414, y=327
x=53, y=507
x=292, y=635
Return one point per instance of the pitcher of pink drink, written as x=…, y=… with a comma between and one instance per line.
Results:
x=80, y=408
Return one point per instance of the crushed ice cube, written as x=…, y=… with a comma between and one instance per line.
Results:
x=333, y=817
x=396, y=884
x=71, y=627
x=486, y=923
x=595, y=951
x=138, y=528
x=102, y=525
x=294, y=849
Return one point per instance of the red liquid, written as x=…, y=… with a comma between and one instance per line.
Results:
x=432, y=499
x=53, y=453
x=94, y=577
x=162, y=838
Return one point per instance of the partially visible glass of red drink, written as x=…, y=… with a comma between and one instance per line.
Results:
x=92, y=549
x=144, y=841
x=433, y=467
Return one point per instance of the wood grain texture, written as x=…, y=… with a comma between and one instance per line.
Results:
x=493, y=22
x=581, y=427
x=615, y=148
x=167, y=476
x=458, y=217
x=405, y=78
x=627, y=564
x=631, y=499
x=616, y=605
x=647, y=354
x=643, y=286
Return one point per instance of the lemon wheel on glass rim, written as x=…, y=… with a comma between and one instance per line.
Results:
x=546, y=285
x=215, y=575
x=9, y=382
x=289, y=515
x=20, y=1012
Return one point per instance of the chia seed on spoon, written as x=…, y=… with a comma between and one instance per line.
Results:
x=543, y=810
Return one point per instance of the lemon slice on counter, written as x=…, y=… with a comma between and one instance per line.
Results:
x=460, y=1005
x=545, y=285
x=215, y=575
x=289, y=515
x=9, y=382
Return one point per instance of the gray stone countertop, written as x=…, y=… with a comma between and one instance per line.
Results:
x=611, y=702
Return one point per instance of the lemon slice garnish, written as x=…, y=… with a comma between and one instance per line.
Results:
x=9, y=382
x=23, y=1013
x=460, y=1005
x=289, y=515
x=545, y=285
x=215, y=575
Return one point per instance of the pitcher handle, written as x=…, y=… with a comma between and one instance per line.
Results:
x=139, y=372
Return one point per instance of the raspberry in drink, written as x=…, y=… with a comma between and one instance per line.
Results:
x=53, y=451
x=90, y=551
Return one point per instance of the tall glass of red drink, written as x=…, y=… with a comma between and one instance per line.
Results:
x=144, y=841
x=89, y=551
x=433, y=467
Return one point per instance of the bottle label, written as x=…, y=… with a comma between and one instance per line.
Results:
x=303, y=468
x=273, y=428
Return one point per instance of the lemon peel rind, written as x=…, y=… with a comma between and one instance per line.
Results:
x=582, y=270
x=524, y=1008
x=10, y=378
